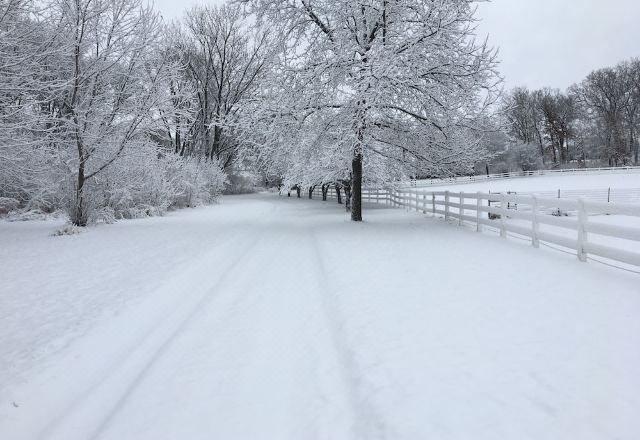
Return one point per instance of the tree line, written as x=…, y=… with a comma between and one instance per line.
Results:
x=109, y=112
x=594, y=122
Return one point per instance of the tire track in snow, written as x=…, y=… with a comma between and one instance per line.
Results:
x=129, y=369
x=369, y=424
x=266, y=316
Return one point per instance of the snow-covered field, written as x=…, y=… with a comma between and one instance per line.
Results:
x=568, y=181
x=274, y=318
x=625, y=188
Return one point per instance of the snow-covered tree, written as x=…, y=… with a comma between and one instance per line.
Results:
x=223, y=61
x=29, y=51
x=112, y=89
x=391, y=88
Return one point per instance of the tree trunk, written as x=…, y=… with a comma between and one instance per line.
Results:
x=338, y=193
x=217, y=137
x=541, y=145
x=79, y=214
x=298, y=189
x=204, y=123
x=311, y=189
x=178, y=137
x=347, y=197
x=633, y=146
x=325, y=192
x=356, y=188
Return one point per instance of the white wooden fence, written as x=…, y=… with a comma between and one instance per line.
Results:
x=583, y=226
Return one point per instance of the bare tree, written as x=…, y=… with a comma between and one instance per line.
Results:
x=224, y=61
x=604, y=95
x=559, y=111
x=523, y=111
x=631, y=74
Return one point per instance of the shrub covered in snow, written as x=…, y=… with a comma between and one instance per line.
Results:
x=147, y=183
x=8, y=204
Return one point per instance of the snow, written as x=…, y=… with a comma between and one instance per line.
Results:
x=274, y=318
x=625, y=187
x=566, y=181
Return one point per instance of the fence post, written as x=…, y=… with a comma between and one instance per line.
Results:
x=460, y=209
x=433, y=204
x=582, y=231
x=446, y=205
x=535, y=224
x=503, y=215
x=479, y=213
x=424, y=203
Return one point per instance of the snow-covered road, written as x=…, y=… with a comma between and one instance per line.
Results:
x=277, y=318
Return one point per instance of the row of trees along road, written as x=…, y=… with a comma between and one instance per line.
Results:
x=107, y=109
x=369, y=92
x=597, y=119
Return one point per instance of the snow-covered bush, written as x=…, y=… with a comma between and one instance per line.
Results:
x=148, y=183
x=8, y=204
x=195, y=181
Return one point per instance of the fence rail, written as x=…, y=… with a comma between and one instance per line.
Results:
x=576, y=224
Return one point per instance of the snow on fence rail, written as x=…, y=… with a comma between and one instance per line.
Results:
x=498, y=176
x=569, y=223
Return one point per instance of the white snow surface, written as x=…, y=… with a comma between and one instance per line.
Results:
x=551, y=182
x=274, y=318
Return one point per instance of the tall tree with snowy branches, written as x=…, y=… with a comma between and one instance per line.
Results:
x=402, y=84
x=114, y=83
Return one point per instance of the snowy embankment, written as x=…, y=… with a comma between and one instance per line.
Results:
x=277, y=318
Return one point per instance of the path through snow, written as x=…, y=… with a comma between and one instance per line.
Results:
x=241, y=321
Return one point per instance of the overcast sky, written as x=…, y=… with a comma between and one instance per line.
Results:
x=552, y=43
